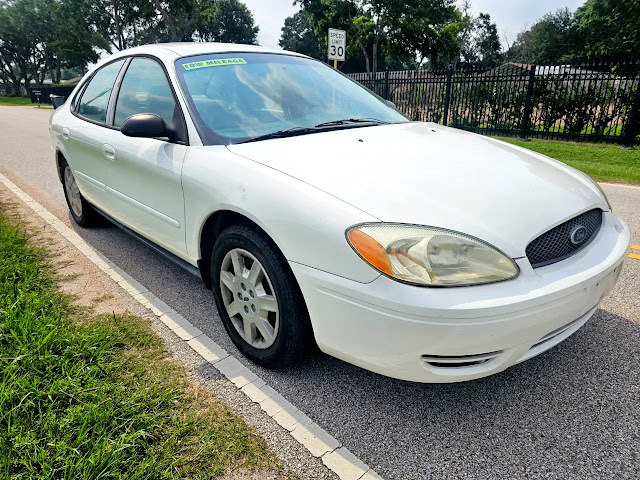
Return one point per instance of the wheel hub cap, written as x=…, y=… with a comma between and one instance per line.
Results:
x=73, y=192
x=249, y=298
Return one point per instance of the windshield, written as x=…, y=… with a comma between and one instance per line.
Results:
x=237, y=97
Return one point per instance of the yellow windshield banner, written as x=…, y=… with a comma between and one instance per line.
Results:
x=214, y=63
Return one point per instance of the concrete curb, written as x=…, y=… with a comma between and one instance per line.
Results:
x=308, y=433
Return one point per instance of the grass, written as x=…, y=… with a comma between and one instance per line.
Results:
x=99, y=397
x=15, y=101
x=20, y=102
x=603, y=162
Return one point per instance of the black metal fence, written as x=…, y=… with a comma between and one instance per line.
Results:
x=596, y=102
x=41, y=94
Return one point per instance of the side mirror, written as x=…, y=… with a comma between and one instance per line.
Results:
x=390, y=104
x=146, y=125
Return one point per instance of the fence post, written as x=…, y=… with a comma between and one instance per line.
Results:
x=632, y=127
x=524, y=125
x=386, y=84
x=447, y=96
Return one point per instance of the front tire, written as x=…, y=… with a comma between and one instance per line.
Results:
x=258, y=298
x=81, y=211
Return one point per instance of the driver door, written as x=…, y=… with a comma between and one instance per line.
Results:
x=143, y=175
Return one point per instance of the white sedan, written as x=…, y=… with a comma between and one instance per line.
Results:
x=318, y=213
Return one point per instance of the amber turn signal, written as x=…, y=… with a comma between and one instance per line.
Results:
x=370, y=250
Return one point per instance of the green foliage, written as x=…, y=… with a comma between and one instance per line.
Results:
x=313, y=22
x=478, y=39
x=41, y=38
x=551, y=41
x=609, y=28
x=15, y=101
x=489, y=49
x=187, y=20
x=298, y=35
x=599, y=28
x=379, y=30
x=227, y=21
x=99, y=398
x=480, y=101
x=428, y=29
x=589, y=107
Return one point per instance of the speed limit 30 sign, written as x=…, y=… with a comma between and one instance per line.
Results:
x=337, y=44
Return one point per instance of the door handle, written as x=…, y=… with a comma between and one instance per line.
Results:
x=109, y=152
x=65, y=133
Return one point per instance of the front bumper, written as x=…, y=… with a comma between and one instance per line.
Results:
x=457, y=334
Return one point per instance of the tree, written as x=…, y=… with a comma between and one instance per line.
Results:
x=20, y=54
x=550, y=41
x=466, y=41
x=363, y=29
x=198, y=20
x=325, y=14
x=479, y=41
x=67, y=36
x=122, y=21
x=407, y=28
x=423, y=28
x=427, y=29
x=299, y=36
x=609, y=28
x=228, y=21
x=41, y=38
x=489, y=49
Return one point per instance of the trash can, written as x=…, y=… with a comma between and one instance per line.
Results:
x=56, y=100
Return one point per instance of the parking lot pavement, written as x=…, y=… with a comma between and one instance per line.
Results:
x=569, y=413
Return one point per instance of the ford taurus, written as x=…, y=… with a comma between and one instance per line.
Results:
x=317, y=213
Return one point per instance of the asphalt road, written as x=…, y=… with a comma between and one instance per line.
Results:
x=569, y=413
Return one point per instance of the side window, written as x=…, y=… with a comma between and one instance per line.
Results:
x=95, y=99
x=145, y=89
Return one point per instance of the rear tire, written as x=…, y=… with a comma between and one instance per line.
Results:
x=258, y=297
x=81, y=211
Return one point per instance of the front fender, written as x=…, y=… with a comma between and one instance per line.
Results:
x=308, y=225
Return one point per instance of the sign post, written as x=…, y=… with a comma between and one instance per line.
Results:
x=337, y=46
x=37, y=94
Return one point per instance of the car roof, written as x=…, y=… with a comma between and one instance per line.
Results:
x=184, y=49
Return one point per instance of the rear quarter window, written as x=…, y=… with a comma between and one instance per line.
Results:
x=95, y=99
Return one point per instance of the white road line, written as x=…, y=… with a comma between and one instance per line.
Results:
x=313, y=437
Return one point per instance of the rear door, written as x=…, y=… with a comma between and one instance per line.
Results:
x=144, y=174
x=85, y=130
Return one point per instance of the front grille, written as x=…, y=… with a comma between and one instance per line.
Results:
x=556, y=244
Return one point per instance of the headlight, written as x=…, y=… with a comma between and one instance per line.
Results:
x=430, y=256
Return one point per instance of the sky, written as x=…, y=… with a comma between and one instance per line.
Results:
x=270, y=15
x=511, y=16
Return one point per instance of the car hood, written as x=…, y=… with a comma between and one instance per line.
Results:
x=427, y=174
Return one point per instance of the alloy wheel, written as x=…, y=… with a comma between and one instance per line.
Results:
x=73, y=192
x=249, y=298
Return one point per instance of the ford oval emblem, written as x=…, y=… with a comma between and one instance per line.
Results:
x=578, y=235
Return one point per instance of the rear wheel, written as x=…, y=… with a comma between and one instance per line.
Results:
x=258, y=297
x=83, y=213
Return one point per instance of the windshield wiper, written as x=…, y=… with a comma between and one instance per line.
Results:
x=289, y=132
x=347, y=121
x=294, y=131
